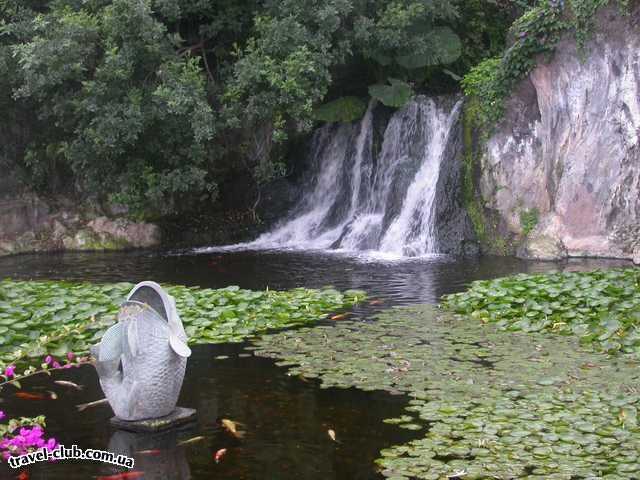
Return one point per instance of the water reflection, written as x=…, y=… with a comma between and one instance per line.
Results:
x=158, y=455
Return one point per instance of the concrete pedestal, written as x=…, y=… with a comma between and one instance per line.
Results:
x=180, y=416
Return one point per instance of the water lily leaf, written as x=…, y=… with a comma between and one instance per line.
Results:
x=229, y=314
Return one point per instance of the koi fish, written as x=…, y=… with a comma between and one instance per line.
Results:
x=123, y=476
x=23, y=475
x=84, y=406
x=341, y=316
x=232, y=427
x=30, y=396
x=154, y=451
x=332, y=434
x=68, y=384
x=191, y=440
x=219, y=454
x=377, y=301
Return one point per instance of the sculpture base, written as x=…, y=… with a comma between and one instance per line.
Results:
x=178, y=417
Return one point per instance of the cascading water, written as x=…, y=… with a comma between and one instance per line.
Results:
x=359, y=201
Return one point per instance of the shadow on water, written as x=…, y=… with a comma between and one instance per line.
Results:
x=286, y=419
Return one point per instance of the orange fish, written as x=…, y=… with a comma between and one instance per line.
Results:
x=23, y=475
x=232, y=427
x=123, y=476
x=219, y=454
x=30, y=396
x=377, y=301
x=341, y=316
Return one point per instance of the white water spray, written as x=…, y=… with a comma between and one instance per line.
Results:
x=358, y=201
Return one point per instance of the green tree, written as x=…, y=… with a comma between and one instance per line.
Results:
x=125, y=114
x=159, y=103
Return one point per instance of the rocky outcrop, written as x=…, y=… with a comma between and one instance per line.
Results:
x=539, y=246
x=29, y=224
x=569, y=148
x=120, y=230
x=454, y=232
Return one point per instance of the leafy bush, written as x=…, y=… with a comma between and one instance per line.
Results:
x=483, y=84
x=536, y=32
x=395, y=95
x=343, y=109
x=601, y=307
x=528, y=220
x=127, y=115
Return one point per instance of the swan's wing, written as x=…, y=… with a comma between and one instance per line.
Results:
x=177, y=335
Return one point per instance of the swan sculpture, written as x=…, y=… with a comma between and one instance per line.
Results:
x=141, y=360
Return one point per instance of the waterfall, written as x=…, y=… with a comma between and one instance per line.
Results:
x=357, y=199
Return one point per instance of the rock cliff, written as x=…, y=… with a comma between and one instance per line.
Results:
x=561, y=173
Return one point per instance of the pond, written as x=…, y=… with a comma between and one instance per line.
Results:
x=286, y=417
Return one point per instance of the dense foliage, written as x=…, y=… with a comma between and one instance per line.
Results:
x=535, y=33
x=601, y=307
x=43, y=317
x=156, y=104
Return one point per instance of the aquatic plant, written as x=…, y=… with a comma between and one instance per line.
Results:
x=51, y=317
x=484, y=403
x=601, y=308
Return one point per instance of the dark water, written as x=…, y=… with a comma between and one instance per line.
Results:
x=402, y=282
x=286, y=419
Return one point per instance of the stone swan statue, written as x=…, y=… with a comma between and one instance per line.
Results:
x=141, y=360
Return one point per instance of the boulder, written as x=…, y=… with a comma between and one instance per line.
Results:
x=539, y=246
x=125, y=232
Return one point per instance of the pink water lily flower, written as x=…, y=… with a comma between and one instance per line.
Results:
x=48, y=359
x=10, y=371
x=2, y=415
